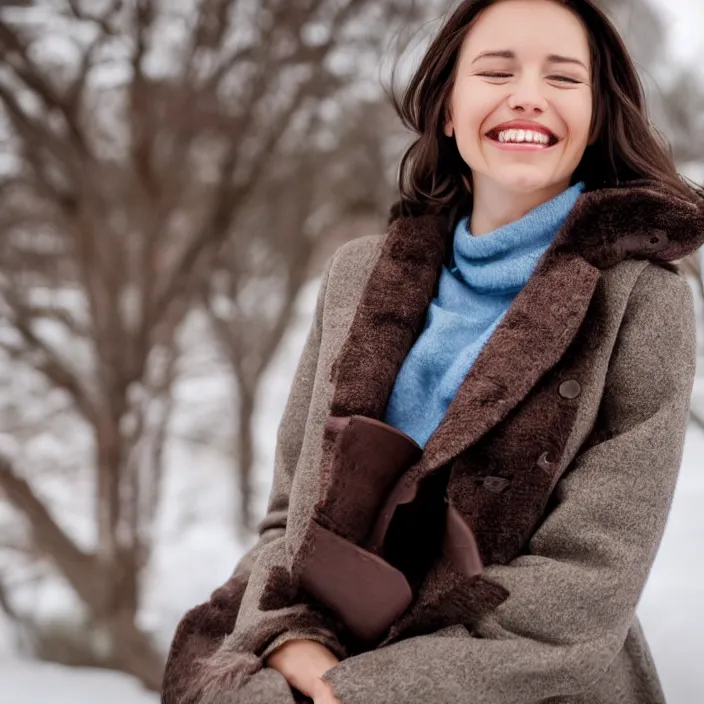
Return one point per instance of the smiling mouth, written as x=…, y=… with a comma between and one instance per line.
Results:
x=493, y=135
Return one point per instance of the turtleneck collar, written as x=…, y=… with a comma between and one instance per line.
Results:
x=471, y=301
x=502, y=261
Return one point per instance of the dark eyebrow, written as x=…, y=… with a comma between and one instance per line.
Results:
x=505, y=54
x=557, y=59
x=508, y=54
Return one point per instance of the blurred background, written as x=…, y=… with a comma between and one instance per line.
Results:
x=173, y=176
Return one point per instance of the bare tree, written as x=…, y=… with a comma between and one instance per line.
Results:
x=135, y=137
x=312, y=201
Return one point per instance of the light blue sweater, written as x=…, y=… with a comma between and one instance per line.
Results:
x=473, y=296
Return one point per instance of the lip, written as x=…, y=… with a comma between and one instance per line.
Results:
x=492, y=134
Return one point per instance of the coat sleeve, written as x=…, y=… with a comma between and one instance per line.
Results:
x=574, y=594
x=197, y=671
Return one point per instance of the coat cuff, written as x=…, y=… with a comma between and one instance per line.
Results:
x=267, y=686
x=262, y=623
x=317, y=635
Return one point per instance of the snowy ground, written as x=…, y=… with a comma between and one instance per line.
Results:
x=196, y=549
x=671, y=607
x=31, y=683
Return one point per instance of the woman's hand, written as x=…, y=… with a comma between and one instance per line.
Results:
x=303, y=664
x=325, y=695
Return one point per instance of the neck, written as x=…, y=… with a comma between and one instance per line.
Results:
x=493, y=206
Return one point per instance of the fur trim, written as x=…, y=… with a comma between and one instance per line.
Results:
x=390, y=316
x=609, y=225
x=197, y=637
x=638, y=221
x=532, y=337
x=235, y=662
x=446, y=598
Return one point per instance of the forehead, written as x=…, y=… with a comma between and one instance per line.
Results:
x=530, y=28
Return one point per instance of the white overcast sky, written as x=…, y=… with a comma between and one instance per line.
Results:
x=685, y=20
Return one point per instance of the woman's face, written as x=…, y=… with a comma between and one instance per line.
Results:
x=525, y=62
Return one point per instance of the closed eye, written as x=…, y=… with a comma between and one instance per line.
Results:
x=496, y=74
x=564, y=78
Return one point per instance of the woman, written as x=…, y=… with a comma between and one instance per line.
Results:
x=523, y=327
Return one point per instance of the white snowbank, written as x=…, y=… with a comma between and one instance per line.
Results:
x=24, y=682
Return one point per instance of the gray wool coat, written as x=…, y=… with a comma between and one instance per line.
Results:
x=560, y=453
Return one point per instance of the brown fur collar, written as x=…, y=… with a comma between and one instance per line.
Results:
x=638, y=221
x=641, y=220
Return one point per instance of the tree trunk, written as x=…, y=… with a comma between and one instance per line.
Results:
x=134, y=652
x=245, y=456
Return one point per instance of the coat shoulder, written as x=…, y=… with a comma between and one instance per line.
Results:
x=350, y=268
x=660, y=322
x=648, y=281
x=664, y=283
x=659, y=296
x=359, y=250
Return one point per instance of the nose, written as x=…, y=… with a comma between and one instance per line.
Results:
x=527, y=97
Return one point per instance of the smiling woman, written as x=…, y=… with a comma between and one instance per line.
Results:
x=480, y=448
x=509, y=83
x=558, y=55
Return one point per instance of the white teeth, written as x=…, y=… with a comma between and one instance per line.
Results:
x=520, y=136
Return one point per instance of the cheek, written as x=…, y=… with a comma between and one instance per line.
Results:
x=579, y=118
x=473, y=117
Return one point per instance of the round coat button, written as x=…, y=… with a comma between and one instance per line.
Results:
x=544, y=461
x=570, y=389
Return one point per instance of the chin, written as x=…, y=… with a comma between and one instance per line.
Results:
x=526, y=184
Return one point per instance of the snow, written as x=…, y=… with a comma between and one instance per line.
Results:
x=671, y=606
x=684, y=20
x=42, y=683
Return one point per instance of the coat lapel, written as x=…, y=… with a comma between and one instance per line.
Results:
x=532, y=337
x=390, y=316
x=388, y=319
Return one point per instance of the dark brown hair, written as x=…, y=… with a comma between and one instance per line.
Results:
x=433, y=176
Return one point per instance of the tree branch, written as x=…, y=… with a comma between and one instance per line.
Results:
x=54, y=369
x=77, y=566
x=32, y=76
x=141, y=120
